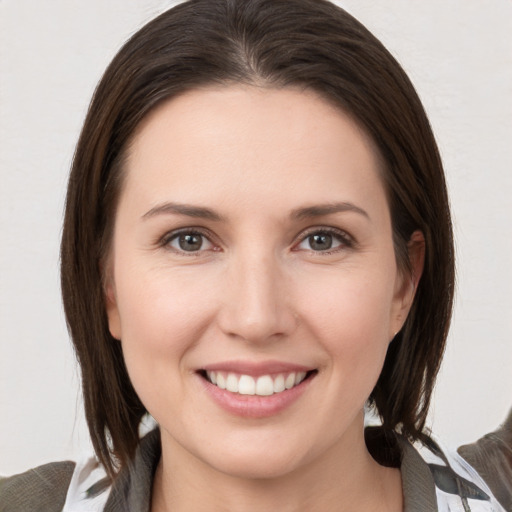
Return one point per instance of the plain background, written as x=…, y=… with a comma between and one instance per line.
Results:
x=52, y=53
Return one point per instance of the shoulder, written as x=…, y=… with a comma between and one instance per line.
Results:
x=84, y=486
x=41, y=488
x=457, y=484
x=491, y=456
x=433, y=477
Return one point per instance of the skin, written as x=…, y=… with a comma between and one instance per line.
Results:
x=258, y=290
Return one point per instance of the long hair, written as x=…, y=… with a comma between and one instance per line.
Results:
x=272, y=43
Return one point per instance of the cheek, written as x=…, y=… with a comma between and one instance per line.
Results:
x=350, y=313
x=163, y=314
x=155, y=299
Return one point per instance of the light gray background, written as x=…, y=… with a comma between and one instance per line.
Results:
x=52, y=53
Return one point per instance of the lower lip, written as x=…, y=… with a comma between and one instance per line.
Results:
x=255, y=406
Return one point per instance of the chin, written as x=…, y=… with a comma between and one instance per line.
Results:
x=257, y=457
x=258, y=466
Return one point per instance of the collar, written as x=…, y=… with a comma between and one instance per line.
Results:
x=132, y=487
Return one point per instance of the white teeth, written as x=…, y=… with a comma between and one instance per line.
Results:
x=221, y=381
x=246, y=385
x=299, y=377
x=279, y=384
x=232, y=383
x=265, y=385
x=290, y=381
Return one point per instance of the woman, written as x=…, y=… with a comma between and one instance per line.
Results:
x=257, y=242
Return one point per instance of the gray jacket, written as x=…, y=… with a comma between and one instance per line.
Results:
x=44, y=488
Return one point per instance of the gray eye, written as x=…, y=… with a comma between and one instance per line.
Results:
x=190, y=242
x=324, y=241
x=320, y=241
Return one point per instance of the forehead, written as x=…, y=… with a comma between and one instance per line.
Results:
x=210, y=142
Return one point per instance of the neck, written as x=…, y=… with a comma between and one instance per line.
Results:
x=345, y=479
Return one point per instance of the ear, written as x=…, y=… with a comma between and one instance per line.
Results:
x=109, y=292
x=407, y=283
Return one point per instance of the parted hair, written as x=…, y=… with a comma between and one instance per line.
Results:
x=310, y=44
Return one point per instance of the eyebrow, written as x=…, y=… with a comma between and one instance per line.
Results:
x=198, y=212
x=327, y=209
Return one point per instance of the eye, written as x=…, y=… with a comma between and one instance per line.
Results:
x=324, y=240
x=188, y=241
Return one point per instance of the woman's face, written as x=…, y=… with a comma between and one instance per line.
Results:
x=253, y=249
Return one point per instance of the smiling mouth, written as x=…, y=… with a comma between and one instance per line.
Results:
x=264, y=385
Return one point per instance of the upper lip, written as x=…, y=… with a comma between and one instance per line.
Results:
x=256, y=369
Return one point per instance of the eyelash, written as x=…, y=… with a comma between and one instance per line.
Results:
x=166, y=240
x=346, y=241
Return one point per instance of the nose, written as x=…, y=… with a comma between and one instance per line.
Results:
x=257, y=306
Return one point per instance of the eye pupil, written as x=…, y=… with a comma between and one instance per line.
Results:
x=190, y=242
x=320, y=241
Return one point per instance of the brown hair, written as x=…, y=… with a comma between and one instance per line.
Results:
x=277, y=43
